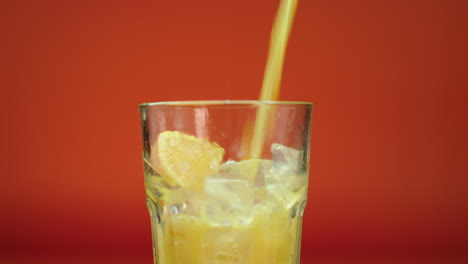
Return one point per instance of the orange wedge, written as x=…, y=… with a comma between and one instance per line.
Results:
x=185, y=160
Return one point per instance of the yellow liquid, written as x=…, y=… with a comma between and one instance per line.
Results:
x=197, y=233
x=270, y=238
x=272, y=233
x=273, y=71
x=264, y=227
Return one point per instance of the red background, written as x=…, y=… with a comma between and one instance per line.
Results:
x=389, y=146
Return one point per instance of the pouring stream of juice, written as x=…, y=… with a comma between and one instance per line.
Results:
x=273, y=71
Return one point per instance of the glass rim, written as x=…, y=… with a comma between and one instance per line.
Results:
x=223, y=102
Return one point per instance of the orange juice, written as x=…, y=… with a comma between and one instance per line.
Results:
x=204, y=210
x=245, y=212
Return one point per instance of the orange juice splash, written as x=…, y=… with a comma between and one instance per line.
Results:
x=273, y=71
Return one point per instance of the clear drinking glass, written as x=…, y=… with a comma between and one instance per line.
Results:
x=210, y=199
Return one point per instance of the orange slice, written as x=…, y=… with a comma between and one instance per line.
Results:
x=185, y=160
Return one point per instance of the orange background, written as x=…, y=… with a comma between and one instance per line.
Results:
x=389, y=146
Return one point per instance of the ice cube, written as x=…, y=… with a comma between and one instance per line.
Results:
x=230, y=192
x=288, y=167
x=253, y=171
x=228, y=199
x=286, y=180
x=286, y=159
